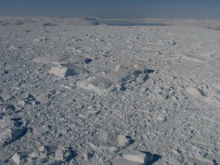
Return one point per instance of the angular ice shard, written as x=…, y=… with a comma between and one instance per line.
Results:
x=100, y=85
x=103, y=84
x=138, y=157
x=65, y=70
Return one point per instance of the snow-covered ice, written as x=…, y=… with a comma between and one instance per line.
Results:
x=77, y=91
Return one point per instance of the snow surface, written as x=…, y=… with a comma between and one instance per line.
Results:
x=76, y=92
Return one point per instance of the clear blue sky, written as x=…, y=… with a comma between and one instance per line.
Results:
x=193, y=9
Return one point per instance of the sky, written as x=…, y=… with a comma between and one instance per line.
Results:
x=173, y=9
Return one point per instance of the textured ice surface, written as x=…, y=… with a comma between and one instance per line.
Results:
x=123, y=89
x=200, y=96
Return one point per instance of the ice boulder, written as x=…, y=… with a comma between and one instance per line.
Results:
x=104, y=84
x=135, y=158
x=138, y=157
x=65, y=70
x=100, y=85
x=10, y=135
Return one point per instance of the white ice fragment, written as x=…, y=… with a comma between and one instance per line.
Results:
x=42, y=98
x=6, y=96
x=104, y=147
x=139, y=157
x=34, y=154
x=123, y=141
x=122, y=161
x=119, y=67
x=61, y=71
x=196, y=93
x=65, y=70
x=16, y=158
x=200, y=96
x=112, y=145
x=64, y=154
x=10, y=135
x=100, y=85
x=21, y=103
x=87, y=155
x=42, y=149
x=13, y=48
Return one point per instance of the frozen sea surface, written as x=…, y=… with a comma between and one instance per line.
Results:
x=75, y=93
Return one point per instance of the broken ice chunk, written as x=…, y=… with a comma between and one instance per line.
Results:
x=11, y=134
x=139, y=157
x=51, y=59
x=112, y=145
x=17, y=158
x=65, y=70
x=64, y=154
x=101, y=85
